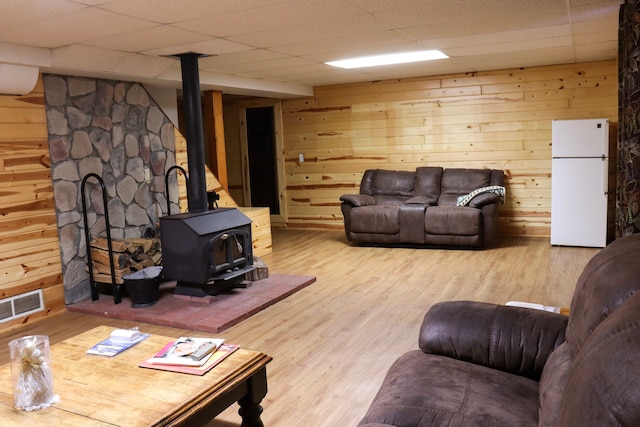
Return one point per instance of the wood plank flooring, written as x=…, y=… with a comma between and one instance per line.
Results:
x=333, y=341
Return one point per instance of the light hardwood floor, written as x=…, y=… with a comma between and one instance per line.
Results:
x=333, y=341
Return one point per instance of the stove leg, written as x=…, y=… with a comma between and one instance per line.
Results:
x=193, y=289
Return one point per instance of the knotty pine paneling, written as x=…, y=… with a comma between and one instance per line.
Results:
x=495, y=119
x=29, y=248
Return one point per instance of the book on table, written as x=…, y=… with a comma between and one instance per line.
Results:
x=118, y=341
x=190, y=355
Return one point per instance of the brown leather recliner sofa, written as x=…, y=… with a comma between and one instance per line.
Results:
x=482, y=364
x=421, y=207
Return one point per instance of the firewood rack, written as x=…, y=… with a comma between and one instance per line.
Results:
x=94, y=285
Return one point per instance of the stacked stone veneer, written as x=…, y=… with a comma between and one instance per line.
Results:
x=115, y=130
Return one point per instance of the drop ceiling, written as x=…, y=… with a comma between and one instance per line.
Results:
x=279, y=47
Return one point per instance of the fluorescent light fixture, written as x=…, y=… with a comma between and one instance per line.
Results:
x=389, y=59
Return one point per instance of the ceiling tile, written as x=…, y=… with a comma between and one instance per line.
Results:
x=280, y=64
x=15, y=12
x=456, y=13
x=148, y=39
x=510, y=46
x=314, y=31
x=354, y=45
x=245, y=57
x=66, y=29
x=142, y=66
x=207, y=47
x=499, y=38
x=378, y=6
x=88, y=58
x=275, y=17
x=172, y=11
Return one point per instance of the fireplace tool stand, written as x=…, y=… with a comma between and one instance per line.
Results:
x=94, y=285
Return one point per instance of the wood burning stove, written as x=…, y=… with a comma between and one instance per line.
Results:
x=206, y=252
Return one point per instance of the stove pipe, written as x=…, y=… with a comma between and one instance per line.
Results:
x=197, y=185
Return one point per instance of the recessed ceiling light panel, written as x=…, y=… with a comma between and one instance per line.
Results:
x=388, y=59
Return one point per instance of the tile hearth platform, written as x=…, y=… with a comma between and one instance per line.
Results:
x=210, y=315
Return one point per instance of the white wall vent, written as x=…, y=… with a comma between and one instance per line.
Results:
x=21, y=305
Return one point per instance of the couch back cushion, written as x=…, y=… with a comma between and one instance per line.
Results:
x=603, y=387
x=458, y=182
x=381, y=182
x=428, y=179
x=608, y=279
x=552, y=384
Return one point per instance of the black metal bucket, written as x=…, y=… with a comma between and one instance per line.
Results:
x=143, y=286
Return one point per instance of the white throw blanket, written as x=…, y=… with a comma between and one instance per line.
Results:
x=497, y=189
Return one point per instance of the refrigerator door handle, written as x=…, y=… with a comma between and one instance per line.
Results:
x=604, y=170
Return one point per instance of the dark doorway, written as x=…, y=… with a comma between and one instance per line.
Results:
x=262, y=158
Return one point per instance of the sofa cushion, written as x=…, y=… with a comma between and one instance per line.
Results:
x=392, y=183
x=460, y=182
x=421, y=200
x=552, y=385
x=384, y=200
x=483, y=200
x=422, y=390
x=411, y=217
x=602, y=287
x=512, y=339
x=428, y=180
x=603, y=388
x=358, y=199
x=375, y=219
x=453, y=220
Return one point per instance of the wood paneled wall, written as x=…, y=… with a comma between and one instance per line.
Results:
x=496, y=119
x=29, y=248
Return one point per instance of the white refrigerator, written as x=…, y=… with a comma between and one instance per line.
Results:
x=579, y=182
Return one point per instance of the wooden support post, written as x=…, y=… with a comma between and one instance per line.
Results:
x=214, y=135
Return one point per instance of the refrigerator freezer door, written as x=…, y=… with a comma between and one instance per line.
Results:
x=579, y=202
x=580, y=138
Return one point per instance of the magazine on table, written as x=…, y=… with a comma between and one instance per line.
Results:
x=187, y=351
x=166, y=362
x=118, y=341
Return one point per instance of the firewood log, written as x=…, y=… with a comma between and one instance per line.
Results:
x=106, y=278
x=144, y=244
x=106, y=270
x=120, y=260
x=116, y=245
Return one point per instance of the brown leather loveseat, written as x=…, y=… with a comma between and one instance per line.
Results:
x=482, y=364
x=431, y=205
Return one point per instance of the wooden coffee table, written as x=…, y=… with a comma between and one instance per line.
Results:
x=114, y=391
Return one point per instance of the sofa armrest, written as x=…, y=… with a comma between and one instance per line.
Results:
x=421, y=200
x=512, y=339
x=484, y=199
x=358, y=199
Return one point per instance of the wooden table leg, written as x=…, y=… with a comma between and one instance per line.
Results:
x=250, y=408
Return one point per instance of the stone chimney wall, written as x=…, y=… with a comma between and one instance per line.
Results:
x=115, y=130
